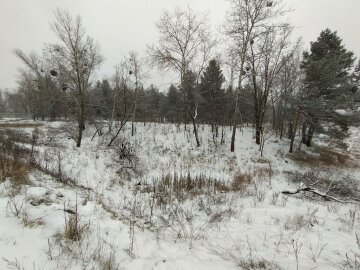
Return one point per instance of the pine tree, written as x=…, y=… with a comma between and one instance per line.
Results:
x=213, y=94
x=328, y=86
x=175, y=109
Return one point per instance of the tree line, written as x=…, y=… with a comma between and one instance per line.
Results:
x=274, y=85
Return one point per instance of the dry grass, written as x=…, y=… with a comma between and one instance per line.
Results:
x=297, y=222
x=74, y=230
x=333, y=157
x=14, y=170
x=264, y=173
x=241, y=181
x=244, y=262
x=20, y=125
x=29, y=222
x=183, y=186
x=12, y=160
x=325, y=157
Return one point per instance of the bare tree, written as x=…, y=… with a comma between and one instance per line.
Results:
x=76, y=57
x=267, y=56
x=39, y=85
x=136, y=66
x=185, y=45
x=246, y=20
x=286, y=96
x=121, y=110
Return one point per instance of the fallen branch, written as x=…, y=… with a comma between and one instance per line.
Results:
x=317, y=192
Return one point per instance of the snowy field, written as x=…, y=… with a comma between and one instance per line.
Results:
x=147, y=211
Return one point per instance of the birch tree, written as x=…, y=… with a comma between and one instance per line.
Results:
x=136, y=66
x=184, y=46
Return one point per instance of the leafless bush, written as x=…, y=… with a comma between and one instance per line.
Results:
x=317, y=249
x=352, y=259
x=184, y=224
x=15, y=207
x=125, y=150
x=15, y=264
x=126, y=155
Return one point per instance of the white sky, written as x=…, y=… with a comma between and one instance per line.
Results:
x=121, y=26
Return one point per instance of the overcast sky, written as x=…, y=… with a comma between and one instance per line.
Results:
x=121, y=26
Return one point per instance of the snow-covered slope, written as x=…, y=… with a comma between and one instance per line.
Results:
x=125, y=224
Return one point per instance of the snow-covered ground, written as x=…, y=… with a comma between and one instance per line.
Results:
x=124, y=224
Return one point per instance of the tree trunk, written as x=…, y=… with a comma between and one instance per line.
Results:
x=232, y=148
x=134, y=112
x=258, y=134
x=310, y=135
x=303, y=133
x=281, y=129
x=81, y=122
x=290, y=132
x=293, y=132
x=195, y=131
x=236, y=111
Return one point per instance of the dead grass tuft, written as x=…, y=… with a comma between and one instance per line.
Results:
x=73, y=229
x=183, y=186
x=14, y=170
x=241, y=181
